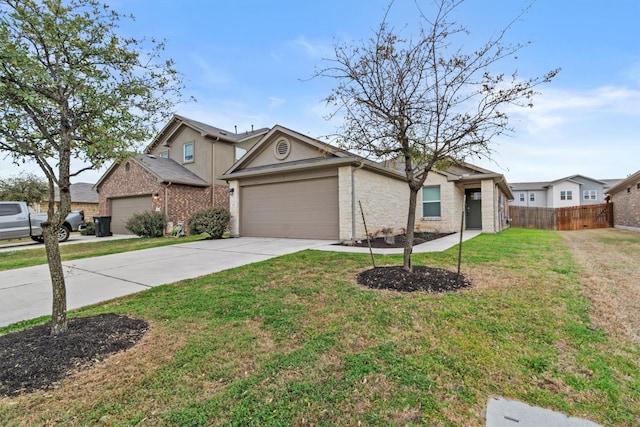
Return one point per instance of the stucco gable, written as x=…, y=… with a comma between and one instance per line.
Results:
x=282, y=146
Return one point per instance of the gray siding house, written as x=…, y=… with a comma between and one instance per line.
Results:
x=575, y=190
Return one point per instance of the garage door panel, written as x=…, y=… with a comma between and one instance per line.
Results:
x=123, y=208
x=297, y=209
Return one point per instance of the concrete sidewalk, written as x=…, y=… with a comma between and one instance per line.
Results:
x=438, y=245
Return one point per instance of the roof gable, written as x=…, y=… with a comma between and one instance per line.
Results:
x=576, y=179
x=281, y=146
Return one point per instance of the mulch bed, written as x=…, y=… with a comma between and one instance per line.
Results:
x=426, y=279
x=33, y=359
x=399, y=240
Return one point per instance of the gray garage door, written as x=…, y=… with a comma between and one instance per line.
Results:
x=298, y=209
x=123, y=208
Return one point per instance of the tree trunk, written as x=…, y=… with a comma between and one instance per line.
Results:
x=59, y=306
x=411, y=223
x=50, y=230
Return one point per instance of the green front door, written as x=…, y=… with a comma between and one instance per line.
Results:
x=474, y=209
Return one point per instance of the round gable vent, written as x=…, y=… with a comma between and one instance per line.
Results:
x=281, y=149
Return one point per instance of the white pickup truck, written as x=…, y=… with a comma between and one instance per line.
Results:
x=16, y=222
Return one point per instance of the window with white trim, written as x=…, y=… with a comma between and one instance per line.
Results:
x=532, y=197
x=589, y=194
x=187, y=152
x=566, y=195
x=431, y=202
x=239, y=152
x=522, y=197
x=164, y=154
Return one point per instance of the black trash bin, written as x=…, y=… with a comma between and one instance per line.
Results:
x=103, y=226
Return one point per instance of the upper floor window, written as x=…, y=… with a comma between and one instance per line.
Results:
x=431, y=201
x=187, y=150
x=589, y=194
x=532, y=197
x=239, y=152
x=566, y=195
x=522, y=197
x=164, y=154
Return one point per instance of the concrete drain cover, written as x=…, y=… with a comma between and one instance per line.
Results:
x=511, y=413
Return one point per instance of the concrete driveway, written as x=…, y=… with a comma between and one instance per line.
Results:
x=26, y=293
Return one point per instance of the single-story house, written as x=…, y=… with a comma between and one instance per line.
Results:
x=574, y=190
x=279, y=183
x=83, y=198
x=625, y=196
x=177, y=173
x=291, y=185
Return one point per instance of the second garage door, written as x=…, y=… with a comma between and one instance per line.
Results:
x=298, y=209
x=123, y=208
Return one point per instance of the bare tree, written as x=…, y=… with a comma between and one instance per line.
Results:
x=72, y=88
x=421, y=100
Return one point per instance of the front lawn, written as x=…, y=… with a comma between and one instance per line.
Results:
x=295, y=341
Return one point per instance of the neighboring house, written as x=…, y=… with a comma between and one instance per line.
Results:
x=83, y=198
x=575, y=190
x=176, y=174
x=291, y=185
x=625, y=196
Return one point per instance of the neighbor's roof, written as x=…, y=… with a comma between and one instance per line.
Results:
x=532, y=186
x=544, y=185
x=81, y=192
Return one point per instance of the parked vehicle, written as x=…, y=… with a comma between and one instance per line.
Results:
x=16, y=222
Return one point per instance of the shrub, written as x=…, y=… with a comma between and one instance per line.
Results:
x=89, y=230
x=212, y=221
x=147, y=224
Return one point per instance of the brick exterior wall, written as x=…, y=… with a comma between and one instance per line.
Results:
x=90, y=209
x=626, y=206
x=177, y=201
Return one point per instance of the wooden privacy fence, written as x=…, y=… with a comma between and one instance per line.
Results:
x=571, y=218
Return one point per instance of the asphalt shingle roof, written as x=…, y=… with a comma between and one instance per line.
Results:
x=167, y=170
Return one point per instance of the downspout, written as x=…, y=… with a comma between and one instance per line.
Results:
x=166, y=197
x=496, y=207
x=213, y=171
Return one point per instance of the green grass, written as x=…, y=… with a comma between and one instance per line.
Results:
x=19, y=258
x=293, y=341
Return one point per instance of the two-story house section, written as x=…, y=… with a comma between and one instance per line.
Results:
x=177, y=174
x=529, y=194
x=575, y=190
